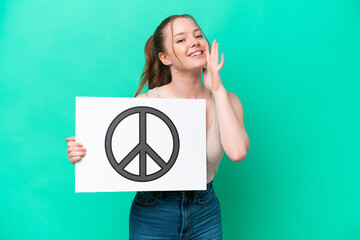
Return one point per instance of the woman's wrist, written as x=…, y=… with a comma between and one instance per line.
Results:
x=220, y=91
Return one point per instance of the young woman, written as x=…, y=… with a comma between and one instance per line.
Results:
x=175, y=58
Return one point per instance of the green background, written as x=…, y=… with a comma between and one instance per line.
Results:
x=293, y=64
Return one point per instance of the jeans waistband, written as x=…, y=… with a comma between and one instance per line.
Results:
x=179, y=194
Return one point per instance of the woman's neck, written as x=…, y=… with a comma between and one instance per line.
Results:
x=187, y=85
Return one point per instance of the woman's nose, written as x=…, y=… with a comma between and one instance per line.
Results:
x=195, y=42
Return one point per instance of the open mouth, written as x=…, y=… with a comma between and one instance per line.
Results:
x=196, y=54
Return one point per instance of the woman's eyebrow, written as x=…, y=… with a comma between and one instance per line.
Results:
x=185, y=32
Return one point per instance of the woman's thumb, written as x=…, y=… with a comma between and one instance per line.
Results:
x=70, y=139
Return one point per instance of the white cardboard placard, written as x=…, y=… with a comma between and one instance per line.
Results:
x=141, y=144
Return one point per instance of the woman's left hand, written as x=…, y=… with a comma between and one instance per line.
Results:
x=211, y=73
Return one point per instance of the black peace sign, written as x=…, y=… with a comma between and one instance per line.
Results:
x=142, y=148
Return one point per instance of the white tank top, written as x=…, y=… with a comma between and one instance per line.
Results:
x=214, y=149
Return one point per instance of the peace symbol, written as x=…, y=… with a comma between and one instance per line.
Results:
x=142, y=148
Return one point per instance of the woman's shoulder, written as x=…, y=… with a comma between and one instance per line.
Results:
x=236, y=105
x=151, y=93
x=143, y=95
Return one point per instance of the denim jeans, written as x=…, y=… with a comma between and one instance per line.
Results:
x=176, y=215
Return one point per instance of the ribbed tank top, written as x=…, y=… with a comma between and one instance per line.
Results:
x=214, y=149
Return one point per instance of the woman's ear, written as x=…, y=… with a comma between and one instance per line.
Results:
x=164, y=59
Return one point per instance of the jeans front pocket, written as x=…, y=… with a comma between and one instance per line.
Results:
x=206, y=196
x=146, y=199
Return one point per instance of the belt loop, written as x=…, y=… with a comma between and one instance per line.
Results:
x=158, y=195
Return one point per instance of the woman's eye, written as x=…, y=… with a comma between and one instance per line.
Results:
x=181, y=40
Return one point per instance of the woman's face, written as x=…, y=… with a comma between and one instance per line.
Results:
x=187, y=40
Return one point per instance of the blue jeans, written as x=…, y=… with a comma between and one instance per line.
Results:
x=176, y=215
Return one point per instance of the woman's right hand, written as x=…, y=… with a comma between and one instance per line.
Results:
x=75, y=150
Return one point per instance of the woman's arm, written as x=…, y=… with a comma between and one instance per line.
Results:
x=230, y=114
x=229, y=109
